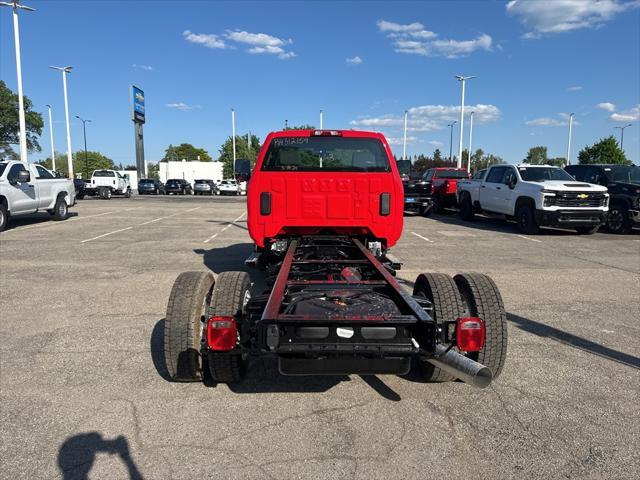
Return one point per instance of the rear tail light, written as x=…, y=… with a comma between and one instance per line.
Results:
x=470, y=334
x=265, y=203
x=222, y=333
x=326, y=133
x=385, y=204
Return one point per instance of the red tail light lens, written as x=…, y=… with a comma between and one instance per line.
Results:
x=222, y=333
x=470, y=334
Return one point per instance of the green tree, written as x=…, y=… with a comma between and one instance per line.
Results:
x=605, y=151
x=10, y=125
x=243, y=151
x=557, y=161
x=185, y=151
x=537, y=156
x=437, y=156
x=95, y=161
x=154, y=170
x=300, y=127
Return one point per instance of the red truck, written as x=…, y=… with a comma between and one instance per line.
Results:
x=324, y=207
x=439, y=185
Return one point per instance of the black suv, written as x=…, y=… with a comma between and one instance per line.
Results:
x=623, y=182
x=150, y=186
x=178, y=186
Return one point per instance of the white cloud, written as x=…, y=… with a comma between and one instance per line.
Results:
x=631, y=115
x=261, y=43
x=208, y=40
x=426, y=118
x=400, y=140
x=436, y=143
x=354, y=60
x=575, y=88
x=182, y=106
x=414, y=39
x=558, y=16
x=148, y=68
x=608, y=106
x=561, y=121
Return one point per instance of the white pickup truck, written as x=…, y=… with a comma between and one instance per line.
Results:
x=30, y=188
x=535, y=196
x=105, y=183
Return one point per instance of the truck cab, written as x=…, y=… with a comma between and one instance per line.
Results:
x=535, y=196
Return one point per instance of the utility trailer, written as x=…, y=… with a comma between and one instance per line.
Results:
x=332, y=303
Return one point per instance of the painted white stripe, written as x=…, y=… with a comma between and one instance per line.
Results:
x=423, y=238
x=224, y=229
x=530, y=239
x=106, y=234
x=50, y=224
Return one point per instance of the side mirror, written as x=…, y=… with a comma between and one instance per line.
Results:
x=511, y=181
x=23, y=176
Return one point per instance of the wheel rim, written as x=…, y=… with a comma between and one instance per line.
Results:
x=62, y=209
x=615, y=220
x=1, y=217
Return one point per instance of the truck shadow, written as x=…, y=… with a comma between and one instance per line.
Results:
x=542, y=330
x=492, y=224
x=33, y=219
x=77, y=455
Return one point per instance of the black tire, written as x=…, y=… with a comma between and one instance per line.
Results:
x=424, y=211
x=442, y=291
x=482, y=299
x=466, y=208
x=105, y=193
x=438, y=207
x=230, y=296
x=187, y=312
x=618, y=220
x=80, y=196
x=60, y=209
x=4, y=216
x=587, y=230
x=127, y=193
x=526, y=220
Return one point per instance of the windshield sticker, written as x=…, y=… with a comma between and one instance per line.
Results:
x=291, y=141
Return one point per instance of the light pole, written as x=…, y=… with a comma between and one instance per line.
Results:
x=84, y=131
x=622, y=135
x=463, y=79
x=470, y=139
x=233, y=141
x=16, y=35
x=286, y=123
x=569, y=142
x=321, y=122
x=451, y=138
x=404, y=140
x=64, y=71
x=53, y=150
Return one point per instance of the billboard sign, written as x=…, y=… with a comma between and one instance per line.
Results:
x=137, y=104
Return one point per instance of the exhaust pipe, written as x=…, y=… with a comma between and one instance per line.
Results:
x=467, y=370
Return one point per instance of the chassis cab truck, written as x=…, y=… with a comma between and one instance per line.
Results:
x=324, y=209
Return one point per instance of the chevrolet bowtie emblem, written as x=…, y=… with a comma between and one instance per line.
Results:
x=583, y=195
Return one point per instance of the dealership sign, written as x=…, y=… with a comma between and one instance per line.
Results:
x=137, y=102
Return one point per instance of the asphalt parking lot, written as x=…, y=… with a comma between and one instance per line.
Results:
x=83, y=386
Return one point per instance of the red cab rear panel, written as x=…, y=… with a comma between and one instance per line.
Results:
x=360, y=202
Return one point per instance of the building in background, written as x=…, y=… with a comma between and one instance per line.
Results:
x=190, y=171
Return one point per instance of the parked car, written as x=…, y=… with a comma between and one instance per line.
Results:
x=150, y=186
x=79, y=186
x=228, y=187
x=623, y=185
x=105, y=183
x=31, y=188
x=535, y=196
x=178, y=186
x=204, y=187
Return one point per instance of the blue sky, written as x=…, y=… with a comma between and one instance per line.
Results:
x=363, y=63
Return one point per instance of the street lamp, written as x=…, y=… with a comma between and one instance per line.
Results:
x=622, y=135
x=64, y=71
x=470, y=139
x=451, y=138
x=404, y=141
x=233, y=141
x=53, y=150
x=569, y=142
x=462, y=79
x=16, y=35
x=84, y=131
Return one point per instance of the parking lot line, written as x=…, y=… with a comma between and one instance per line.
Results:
x=423, y=238
x=106, y=234
x=224, y=229
x=530, y=239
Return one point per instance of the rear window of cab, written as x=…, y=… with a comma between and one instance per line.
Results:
x=325, y=154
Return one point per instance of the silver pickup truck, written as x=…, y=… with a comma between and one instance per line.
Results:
x=30, y=188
